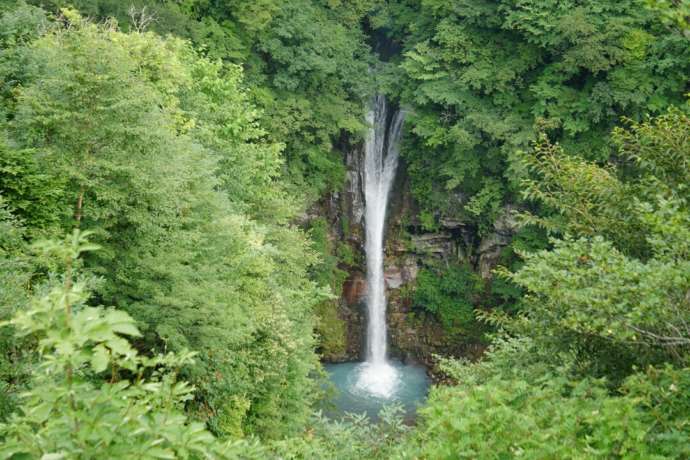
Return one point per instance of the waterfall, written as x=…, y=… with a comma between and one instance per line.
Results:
x=371, y=385
x=382, y=149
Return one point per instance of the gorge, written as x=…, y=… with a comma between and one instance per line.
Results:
x=214, y=212
x=377, y=380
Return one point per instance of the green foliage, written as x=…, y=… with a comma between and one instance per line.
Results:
x=504, y=418
x=330, y=328
x=659, y=152
x=583, y=290
x=485, y=77
x=662, y=394
x=35, y=195
x=484, y=207
x=584, y=198
x=620, y=285
x=20, y=24
x=67, y=412
x=510, y=404
x=306, y=61
x=603, y=301
x=449, y=293
x=158, y=151
x=248, y=166
x=317, y=82
x=352, y=438
x=675, y=13
x=16, y=272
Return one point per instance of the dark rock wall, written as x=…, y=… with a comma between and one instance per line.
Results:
x=413, y=335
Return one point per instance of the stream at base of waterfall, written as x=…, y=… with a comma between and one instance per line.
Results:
x=370, y=385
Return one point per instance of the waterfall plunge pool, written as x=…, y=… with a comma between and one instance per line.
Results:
x=366, y=388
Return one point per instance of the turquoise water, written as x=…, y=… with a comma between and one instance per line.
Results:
x=410, y=389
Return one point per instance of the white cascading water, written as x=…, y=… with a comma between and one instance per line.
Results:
x=382, y=148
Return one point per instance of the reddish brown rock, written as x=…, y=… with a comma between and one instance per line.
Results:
x=354, y=288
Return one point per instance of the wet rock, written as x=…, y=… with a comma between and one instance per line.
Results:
x=410, y=270
x=433, y=243
x=354, y=189
x=415, y=340
x=491, y=246
x=354, y=288
x=355, y=331
x=414, y=335
x=354, y=321
x=451, y=224
x=393, y=277
x=403, y=271
x=398, y=247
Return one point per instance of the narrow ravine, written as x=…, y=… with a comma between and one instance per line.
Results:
x=378, y=381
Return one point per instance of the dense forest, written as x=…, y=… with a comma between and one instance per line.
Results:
x=171, y=270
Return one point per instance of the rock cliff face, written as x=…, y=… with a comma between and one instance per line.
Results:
x=414, y=335
x=490, y=247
